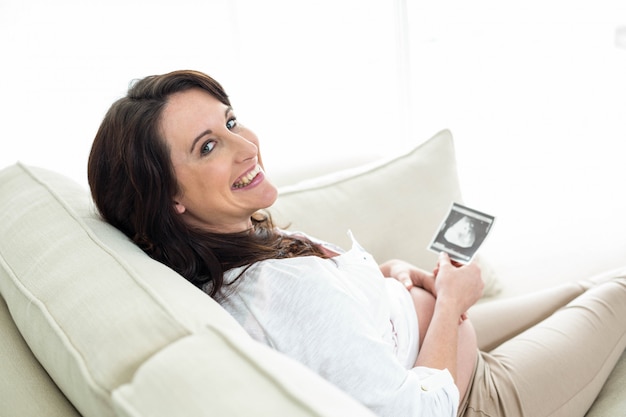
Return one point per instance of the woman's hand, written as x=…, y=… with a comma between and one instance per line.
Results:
x=461, y=285
x=409, y=275
x=447, y=341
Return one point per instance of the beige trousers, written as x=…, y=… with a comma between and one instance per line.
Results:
x=549, y=353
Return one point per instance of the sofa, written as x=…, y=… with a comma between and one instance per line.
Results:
x=91, y=326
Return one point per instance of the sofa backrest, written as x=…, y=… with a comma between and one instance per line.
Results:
x=393, y=207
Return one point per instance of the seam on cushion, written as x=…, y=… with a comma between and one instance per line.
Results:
x=234, y=347
x=101, y=392
x=278, y=382
x=364, y=169
x=127, y=407
x=270, y=375
x=122, y=263
x=125, y=266
x=243, y=354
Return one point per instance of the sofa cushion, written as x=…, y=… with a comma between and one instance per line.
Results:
x=25, y=387
x=393, y=207
x=94, y=309
x=242, y=392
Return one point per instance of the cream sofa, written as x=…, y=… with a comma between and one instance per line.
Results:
x=91, y=326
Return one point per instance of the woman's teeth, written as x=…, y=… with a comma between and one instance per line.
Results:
x=247, y=179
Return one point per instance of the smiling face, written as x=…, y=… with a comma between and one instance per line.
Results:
x=216, y=161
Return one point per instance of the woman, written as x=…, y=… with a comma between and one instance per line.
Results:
x=175, y=171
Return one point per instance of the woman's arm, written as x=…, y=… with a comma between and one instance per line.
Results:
x=457, y=289
x=409, y=275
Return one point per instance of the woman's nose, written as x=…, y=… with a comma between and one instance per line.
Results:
x=244, y=148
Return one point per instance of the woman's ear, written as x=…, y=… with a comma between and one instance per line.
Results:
x=180, y=209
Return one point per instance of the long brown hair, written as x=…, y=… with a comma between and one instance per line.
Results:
x=133, y=184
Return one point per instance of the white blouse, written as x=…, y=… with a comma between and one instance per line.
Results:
x=344, y=320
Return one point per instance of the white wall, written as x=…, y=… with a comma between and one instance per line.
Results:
x=535, y=95
x=311, y=78
x=534, y=92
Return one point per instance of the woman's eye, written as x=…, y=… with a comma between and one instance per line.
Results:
x=207, y=147
x=231, y=123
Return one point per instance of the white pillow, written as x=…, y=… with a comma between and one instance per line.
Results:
x=393, y=207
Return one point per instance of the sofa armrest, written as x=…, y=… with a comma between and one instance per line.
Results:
x=215, y=373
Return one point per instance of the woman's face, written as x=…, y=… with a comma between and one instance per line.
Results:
x=216, y=161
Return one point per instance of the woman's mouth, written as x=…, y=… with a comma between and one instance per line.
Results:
x=248, y=178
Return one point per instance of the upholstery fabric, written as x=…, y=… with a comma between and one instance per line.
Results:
x=25, y=387
x=394, y=207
